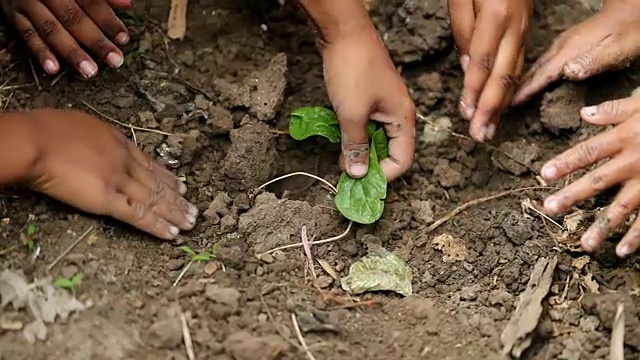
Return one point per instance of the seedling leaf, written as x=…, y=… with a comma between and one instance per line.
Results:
x=361, y=200
x=188, y=250
x=378, y=271
x=31, y=229
x=381, y=144
x=71, y=283
x=203, y=256
x=309, y=121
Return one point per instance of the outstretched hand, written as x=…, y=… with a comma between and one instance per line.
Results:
x=609, y=40
x=490, y=37
x=92, y=166
x=620, y=147
x=52, y=28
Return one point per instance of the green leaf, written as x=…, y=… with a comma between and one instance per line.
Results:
x=76, y=279
x=378, y=271
x=380, y=142
x=188, y=250
x=31, y=229
x=203, y=256
x=215, y=247
x=361, y=200
x=309, y=121
x=31, y=244
x=64, y=283
x=371, y=129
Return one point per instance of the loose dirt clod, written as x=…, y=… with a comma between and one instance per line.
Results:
x=251, y=157
x=515, y=157
x=560, y=108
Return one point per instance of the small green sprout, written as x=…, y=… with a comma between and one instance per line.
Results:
x=197, y=257
x=70, y=283
x=28, y=238
x=359, y=200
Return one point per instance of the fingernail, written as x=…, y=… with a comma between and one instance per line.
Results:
x=552, y=205
x=122, y=38
x=193, y=210
x=489, y=131
x=88, y=69
x=467, y=111
x=182, y=188
x=464, y=62
x=50, y=67
x=173, y=230
x=623, y=250
x=114, y=59
x=191, y=219
x=590, y=111
x=589, y=243
x=549, y=171
x=358, y=170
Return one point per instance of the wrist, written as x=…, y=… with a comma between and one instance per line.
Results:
x=18, y=148
x=338, y=19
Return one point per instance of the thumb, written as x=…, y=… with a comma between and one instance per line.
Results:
x=611, y=112
x=355, y=142
x=610, y=54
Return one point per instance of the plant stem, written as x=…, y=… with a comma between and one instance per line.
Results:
x=184, y=271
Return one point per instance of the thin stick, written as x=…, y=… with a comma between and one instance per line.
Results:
x=333, y=188
x=527, y=203
x=123, y=124
x=296, y=327
x=307, y=250
x=335, y=238
x=184, y=271
x=68, y=250
x=617, y=335
x=133, y=134
x=186, y=336
x=35, y=75
x=471, y=203
x=8, y=250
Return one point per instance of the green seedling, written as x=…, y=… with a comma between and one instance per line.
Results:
x=28, y=238
x=70, y=283
x=359, y=200
x=197, y=257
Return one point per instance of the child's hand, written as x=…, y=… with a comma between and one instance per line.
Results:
x=490, y=37
x=609, y=40
x=92, y=166
x=65, y=27
x=621, y=147
x=363, y=84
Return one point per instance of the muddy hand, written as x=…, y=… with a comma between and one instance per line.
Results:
x=363, y=84
x=65, y=27
x=490, y=37
x=621, y=146
x=92, y=166
x=608, y=40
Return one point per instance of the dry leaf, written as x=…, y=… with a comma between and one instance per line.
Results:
x=581, y=262
x=328, y=269
x=591, y=284
x=453, y=249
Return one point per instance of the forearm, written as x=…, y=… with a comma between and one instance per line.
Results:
x=337, y=18
x=18, y=151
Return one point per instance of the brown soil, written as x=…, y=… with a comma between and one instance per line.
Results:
x=222, y=91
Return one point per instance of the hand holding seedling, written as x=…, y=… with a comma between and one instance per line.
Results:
x=363, y=84
x=77, y=159
x=609, y=40
x=65, y=27
x=490, y=37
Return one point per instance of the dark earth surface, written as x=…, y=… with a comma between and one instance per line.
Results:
x=224, y=93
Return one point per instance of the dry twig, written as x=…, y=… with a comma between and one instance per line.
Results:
x=68, y=250
x=333, y=188
x=481, y=200
x=296, y=327
x=124, y=124
x=307, y=250
x=335, y=238
x=186, y=336
x=617, y=335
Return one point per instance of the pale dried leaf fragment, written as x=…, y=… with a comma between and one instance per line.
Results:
x=177, y=22
x=329, y=269
x=517, y=335
x=453, y=249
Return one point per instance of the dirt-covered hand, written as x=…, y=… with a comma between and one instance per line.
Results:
x=67, y=27
x=620, y=147
x=490, y=36
x=609, y=40
x=92, y=166
x=363, y=84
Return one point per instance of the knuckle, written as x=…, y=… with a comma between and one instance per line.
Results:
x=597, y=181
x=619, y=210
x=138, y=210
x=586, y=152
x=158, y=186
x=102, y=44
x=49, y=28
x=29, y=34
x=611, y=107
x=72, y=15
x=154, y=198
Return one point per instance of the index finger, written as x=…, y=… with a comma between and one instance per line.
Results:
x=462, y=15
x=401, y=132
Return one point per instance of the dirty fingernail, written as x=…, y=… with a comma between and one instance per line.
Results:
x=88, y=69
x=358, y=170
x=193, y=210
x=182, y=188
x=464, y=62
x=623, y=250
x=50, y=67
x=191, y=219
x=122, y=38
x=173, y=230
x=114, y=59
x=552, y=205
x=590, y=111
x=549, y=171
